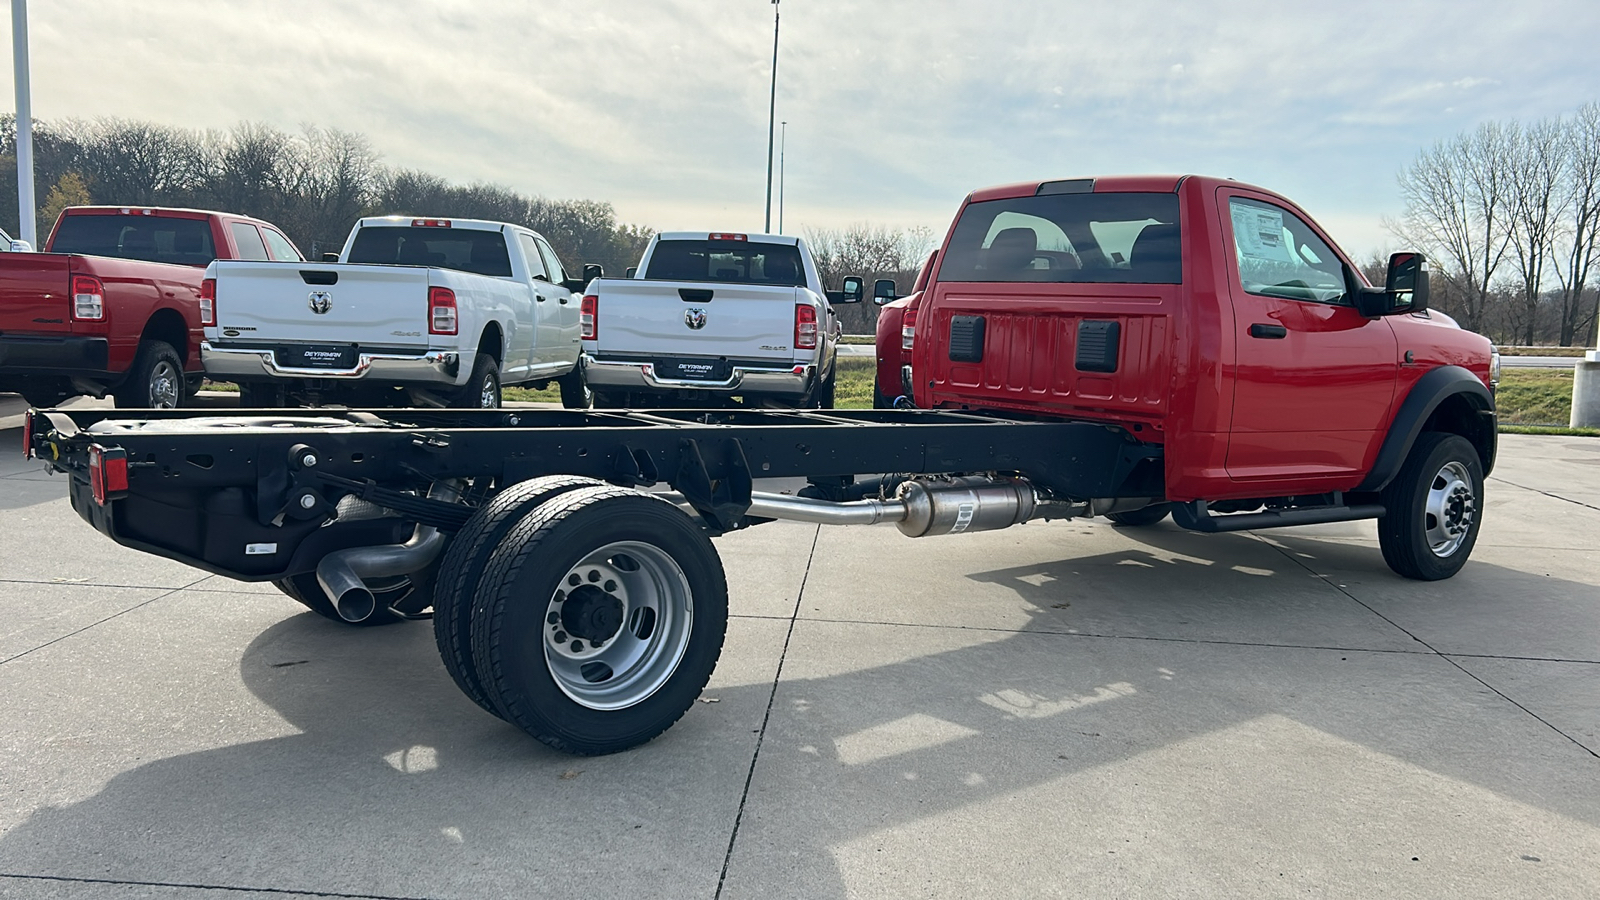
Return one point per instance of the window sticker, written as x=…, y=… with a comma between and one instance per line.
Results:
x=1259, y=233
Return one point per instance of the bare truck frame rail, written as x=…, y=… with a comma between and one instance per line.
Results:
x=565, y=599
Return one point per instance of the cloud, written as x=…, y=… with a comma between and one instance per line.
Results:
x=896, y=108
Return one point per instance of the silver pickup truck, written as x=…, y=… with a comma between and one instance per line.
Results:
x=713, y=316
x=415, y=312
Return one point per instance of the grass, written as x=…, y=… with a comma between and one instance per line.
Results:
x=1543, y=351
x=859, y=339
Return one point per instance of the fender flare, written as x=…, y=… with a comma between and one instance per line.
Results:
x=1431, y=391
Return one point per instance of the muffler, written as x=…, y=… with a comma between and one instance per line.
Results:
x=925, y=507
x=342, y=573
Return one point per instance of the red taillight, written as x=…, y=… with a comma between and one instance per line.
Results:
x=88, y=298
x=208, y=301
x=430, y=223
x=725, y=236
x=908, y=329
x=441, y=311
x=586, y=317
x=805, y=327
x=108, y=473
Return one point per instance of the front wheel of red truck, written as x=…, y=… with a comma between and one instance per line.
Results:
x=156, y=380
x=1433, y=508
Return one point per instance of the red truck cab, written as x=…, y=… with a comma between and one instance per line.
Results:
x=893, y=342
x=1215, y=319
x=113, y=302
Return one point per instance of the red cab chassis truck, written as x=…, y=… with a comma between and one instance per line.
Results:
x=1132, y=347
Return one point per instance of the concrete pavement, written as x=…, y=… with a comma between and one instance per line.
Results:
x=1063, y=709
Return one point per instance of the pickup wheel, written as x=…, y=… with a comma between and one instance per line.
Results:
x=414, y=591
x=599, y=619
x=155, y=381
x=825, y=390
x=575, y=393
x=1433, y=508
x=462, y=568
x=482, y=390
x=1141, y=518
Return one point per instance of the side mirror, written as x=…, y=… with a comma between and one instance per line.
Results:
x=852, y=289
x=20, y=246
x=593, y=271
x=1407, y=284
x=631, y=272
x=330, y=257
x=883, y=291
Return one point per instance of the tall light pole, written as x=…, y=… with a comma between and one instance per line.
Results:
x=19, y=61
x=783, y=144
x=772, y=114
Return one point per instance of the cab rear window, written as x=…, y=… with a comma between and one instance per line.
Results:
x=1112, y=238
x=739, y=262
x=462, y=249
x=185, y=242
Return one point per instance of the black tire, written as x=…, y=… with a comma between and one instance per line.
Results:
x=155, y=381
x=527, y=580
x=1141, y=518
x=482, y=390
x=880, y=400
x=1433, y=508
x=39, y=399
x=261, y=396
x=825, y=391
x=575, y=393
x=414, y=590
x=607, y=400
x=462, y=567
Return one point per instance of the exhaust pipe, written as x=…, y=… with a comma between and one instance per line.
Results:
x=342, y=572
x=926, y=507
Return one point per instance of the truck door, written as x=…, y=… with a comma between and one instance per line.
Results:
x=1313, y=378
x=566, y=347
x=546, y=305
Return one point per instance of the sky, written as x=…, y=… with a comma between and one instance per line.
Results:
x=895, y=108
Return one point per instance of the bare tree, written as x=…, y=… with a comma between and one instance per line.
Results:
x=873, y=252
x=1536, y=164
x=1579, y=249
x=1458, y=197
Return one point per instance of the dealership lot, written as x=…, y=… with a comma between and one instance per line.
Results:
x=1057, y=709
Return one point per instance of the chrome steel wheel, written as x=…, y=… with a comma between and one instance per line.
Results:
x=488, y=396
x=1450, y=510
x=166, y=385
x=617, y=626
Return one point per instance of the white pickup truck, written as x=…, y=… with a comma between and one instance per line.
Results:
x=416, y=311
x=710, y=316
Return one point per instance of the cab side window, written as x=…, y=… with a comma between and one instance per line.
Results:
x=557, y=273
x=281, y=247
x=536, y=267
x=1280, y=256
x=248, y=240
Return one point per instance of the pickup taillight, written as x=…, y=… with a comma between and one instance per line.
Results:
x=586, y=317
x=88, y=298
x=208, y=301
x=108, y=473
x=442, y=311
x=805, y=327
x=908, y=329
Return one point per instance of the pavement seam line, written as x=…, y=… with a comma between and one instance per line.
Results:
x=206, y=887
x=1328, y=580
x=169, y=592
x=1546, y=493
x=772, y=698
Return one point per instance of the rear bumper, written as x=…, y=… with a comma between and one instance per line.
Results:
x=256, y=363
x=53, y=355
x=641, y=376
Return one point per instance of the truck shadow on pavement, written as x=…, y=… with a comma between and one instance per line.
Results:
x=892, y=761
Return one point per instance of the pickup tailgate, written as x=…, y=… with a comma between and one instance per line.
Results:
x=35, y=296
x=322, y=303
x=644, y=318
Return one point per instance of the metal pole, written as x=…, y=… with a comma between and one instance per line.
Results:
x=772, y=115
x=783, y=144
x=19, y=60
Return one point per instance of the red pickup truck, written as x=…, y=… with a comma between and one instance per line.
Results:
x=113, y=303
x=1217, y=320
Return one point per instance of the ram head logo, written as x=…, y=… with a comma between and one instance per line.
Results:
x=694, y=318
x=320, y=302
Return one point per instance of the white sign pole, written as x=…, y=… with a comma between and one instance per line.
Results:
x=26, y=212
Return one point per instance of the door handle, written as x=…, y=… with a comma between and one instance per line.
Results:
x=1274, y=332
x=562, y=301
x=539, y=298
